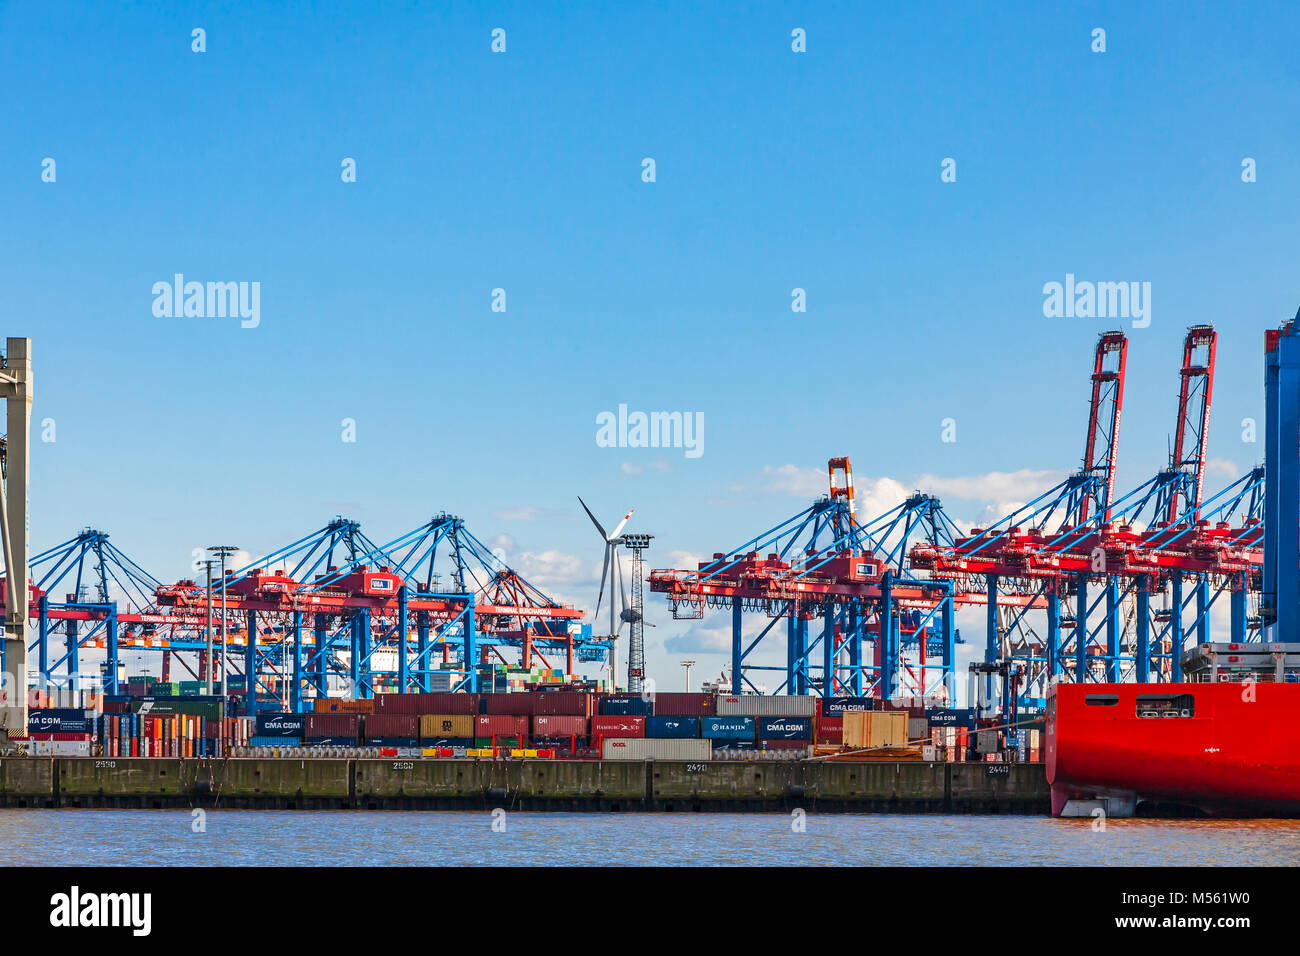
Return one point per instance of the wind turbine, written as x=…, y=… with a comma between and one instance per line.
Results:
x=612, y=571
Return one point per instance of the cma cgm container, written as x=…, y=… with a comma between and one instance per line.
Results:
x=727, y=728
x=447, y=725
x=282, y=726
x=642, y=748
x=685, y=705
x=625, y=705
x=551, y=725
x=838, y=706
x=785, y=728
x=672, y=727
x=501, y=725
x=60, y=721
x=765, y=705
x=612, y=726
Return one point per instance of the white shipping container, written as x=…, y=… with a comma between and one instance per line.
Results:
x=928, y=753
x=647, y=748
x=59, y=748
x=766, y=705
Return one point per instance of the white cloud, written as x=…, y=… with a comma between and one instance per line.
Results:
x=660, y=465
x=995, y=486
x=1222, y=467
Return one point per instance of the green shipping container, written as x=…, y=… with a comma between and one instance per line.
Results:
x=516, y=742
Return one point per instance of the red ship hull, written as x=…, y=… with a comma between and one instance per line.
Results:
x=1222, y=748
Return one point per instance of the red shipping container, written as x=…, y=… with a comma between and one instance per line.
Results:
x=562, y=703
x=417, y=704
x=57, y=735
x=685, y=705
x=611, y=726
x=516, y=705
x=549, y=725
x=501, y=725
x=785, y=744
x=830, y=730
x=392, y=725
x=332, y=725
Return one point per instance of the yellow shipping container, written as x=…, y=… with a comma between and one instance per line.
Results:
x=436, y=726
x=871, y=729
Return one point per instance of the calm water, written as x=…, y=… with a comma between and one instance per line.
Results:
x=250, y=838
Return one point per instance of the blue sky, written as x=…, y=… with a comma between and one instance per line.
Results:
x=522, y=171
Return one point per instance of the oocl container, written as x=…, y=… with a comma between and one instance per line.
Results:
x=766, y=705
x=672, y=727
x=727, y=728
x=644, y=748
x=785, y=728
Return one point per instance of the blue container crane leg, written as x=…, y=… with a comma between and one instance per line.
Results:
x=1237, y=609
x=403, y=674
x=1143, y=665
x=1053, y=629
x=791, y=653
x=250, y=664
x=991, y=649
x=322, y=665
x=1202, y=610
x=295, y=691
x=111, y=633
x=949, y=647
x=888, y=656
x=828, y=649
x=1176, y=627
x=1281, y=584
x=471, y=648
x=855, y=650
x=1112, y=630
x=1081, y=631
x=422, y=647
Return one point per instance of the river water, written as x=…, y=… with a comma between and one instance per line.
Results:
x=412, y=838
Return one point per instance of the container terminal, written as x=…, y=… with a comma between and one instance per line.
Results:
x=356, y=668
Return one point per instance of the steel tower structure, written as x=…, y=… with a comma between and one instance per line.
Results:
x=637, y=544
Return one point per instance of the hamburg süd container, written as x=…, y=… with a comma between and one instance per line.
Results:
x=644, y=748
x=609, y=725
x=727, y=728
x=767, y=705
x=785, y=728
x=672, y=727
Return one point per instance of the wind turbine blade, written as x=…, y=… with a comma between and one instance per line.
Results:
x=622, y=584
x=593, y=518
x=621, y=524
x=603, y=571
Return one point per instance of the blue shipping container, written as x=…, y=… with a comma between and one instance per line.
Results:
x=626, y=705
x=785, y=728
x=747, y=743
x=672, y=727
x=963, y=717
x=838, y=706
x=59, y=721
x=332, y=741
x=392, y=741
x=281, y=725
x=273, y=741
x=727, y=728
x=453, y=742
